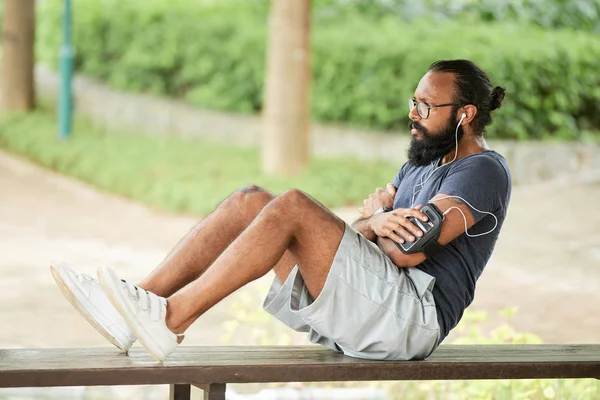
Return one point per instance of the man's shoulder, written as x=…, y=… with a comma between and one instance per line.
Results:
x=482, y=173
x=486, y=156
x=488, y=162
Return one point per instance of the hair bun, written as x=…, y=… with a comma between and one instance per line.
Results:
x=497, y=97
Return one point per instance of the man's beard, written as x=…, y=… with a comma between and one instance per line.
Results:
x=432, y=146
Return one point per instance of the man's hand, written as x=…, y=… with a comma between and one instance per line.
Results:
x=394, y=223
x=381, y=198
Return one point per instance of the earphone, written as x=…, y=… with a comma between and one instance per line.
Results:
x=465, y=217
x=463, y=116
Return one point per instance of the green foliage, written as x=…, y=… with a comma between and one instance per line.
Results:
x=178, y=48
x=552, y=86
x=251, y=324
x=576, y=14
x=213, y=55
x=174, y=173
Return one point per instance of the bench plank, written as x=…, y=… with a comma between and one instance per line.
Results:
x=242, y=364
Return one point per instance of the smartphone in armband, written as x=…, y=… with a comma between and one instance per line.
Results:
x=428, y=243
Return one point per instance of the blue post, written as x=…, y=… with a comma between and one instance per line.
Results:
x=67, y=55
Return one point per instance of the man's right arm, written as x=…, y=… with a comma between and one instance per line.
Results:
x=381, y=198
x=362, y=226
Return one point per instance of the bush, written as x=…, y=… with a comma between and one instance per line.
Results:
x=551, y=78
x=213, y=55
x=580, y=14
x=169, y=47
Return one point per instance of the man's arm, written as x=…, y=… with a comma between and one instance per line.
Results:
x=362, y=226
x=376, y=200
x=452, y=227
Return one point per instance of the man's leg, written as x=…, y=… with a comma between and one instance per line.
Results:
x=188, y=260
x=199, y=248
x=292, y=222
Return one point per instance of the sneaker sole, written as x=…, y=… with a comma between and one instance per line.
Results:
x=72, y=292
x=142, y=334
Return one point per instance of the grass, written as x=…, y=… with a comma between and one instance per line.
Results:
x=178, y=175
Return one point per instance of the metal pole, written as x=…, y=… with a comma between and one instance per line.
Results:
x=67, y=56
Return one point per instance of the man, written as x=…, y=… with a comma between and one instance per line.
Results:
x=349, y=287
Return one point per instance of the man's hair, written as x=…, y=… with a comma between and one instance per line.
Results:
x=473, y=86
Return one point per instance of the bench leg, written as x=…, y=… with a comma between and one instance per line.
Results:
x=213, y=391
x=180, y=392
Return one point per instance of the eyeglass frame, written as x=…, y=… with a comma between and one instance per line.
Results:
x=414, y=103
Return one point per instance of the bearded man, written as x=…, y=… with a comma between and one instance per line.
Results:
x=353, y=288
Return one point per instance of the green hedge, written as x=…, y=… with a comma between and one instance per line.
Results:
x=213, y=55
x=551, y=77
x=576, y=14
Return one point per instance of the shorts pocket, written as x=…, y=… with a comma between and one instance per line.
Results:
x=421, y=281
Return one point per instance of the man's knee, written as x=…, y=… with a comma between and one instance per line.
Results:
x=249, y=189
x=296, y=197
x=252, y=195
x=293, y=202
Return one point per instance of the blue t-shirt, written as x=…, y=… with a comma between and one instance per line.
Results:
x=484, y=181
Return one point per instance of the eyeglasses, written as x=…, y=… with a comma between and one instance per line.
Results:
x=423, y=109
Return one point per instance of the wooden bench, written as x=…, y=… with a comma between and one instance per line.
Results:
x=211, y=368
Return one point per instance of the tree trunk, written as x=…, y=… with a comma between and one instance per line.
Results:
x=18, y=38
x=286, y=113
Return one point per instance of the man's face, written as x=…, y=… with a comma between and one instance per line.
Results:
x=435, y=136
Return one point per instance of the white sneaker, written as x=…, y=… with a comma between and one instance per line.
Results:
x=143, y=311
x=86, y=295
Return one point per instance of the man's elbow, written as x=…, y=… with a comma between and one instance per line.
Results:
x=399, y=258
x=402, y=260
x=412, y=260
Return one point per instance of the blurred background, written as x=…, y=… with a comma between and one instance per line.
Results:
x=122, y=123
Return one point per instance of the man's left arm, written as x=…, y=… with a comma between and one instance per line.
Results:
x=452, y=227
x=481, y=182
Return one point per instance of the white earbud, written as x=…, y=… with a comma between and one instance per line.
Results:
x=463, y=116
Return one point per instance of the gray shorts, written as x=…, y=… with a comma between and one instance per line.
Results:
x=368, y=308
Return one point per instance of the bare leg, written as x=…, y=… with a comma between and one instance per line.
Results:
x=199, y=248
x=293, y=222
